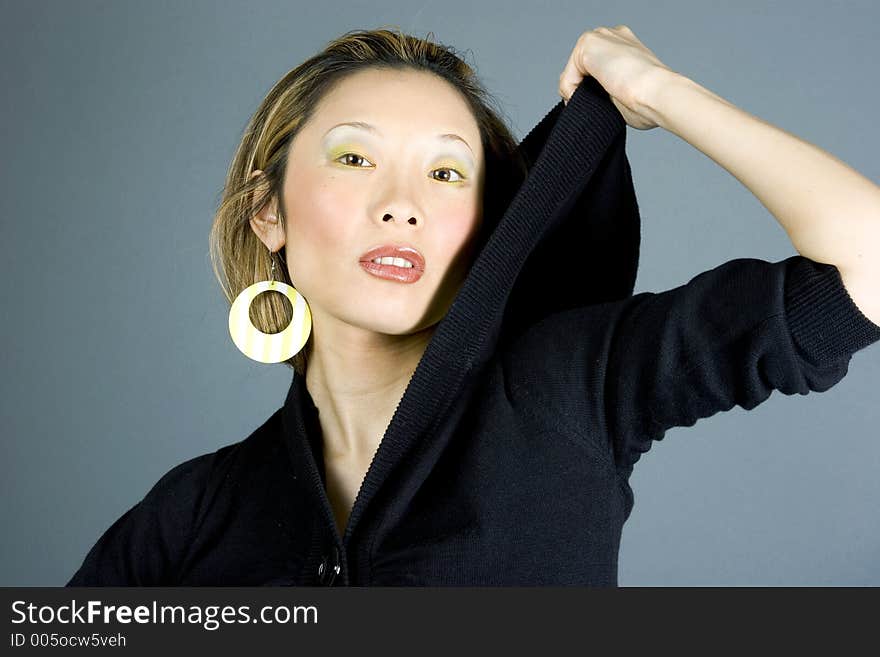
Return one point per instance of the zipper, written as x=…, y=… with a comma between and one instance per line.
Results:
x=340, y=556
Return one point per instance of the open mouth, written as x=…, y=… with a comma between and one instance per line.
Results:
x=397, y=262
x=391, y=271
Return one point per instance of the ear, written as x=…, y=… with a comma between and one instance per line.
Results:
x=265, y=222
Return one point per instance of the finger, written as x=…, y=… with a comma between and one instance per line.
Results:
x=572, y=74
x=628, y=32
x=564, y=78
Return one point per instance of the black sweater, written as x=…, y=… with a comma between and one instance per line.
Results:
x=507, y=460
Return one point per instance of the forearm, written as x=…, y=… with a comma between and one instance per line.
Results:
x=830, y=212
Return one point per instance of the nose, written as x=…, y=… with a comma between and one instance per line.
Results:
x=397, y=198
x=389, y=217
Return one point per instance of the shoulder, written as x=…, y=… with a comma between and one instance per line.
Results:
x=188, y=481
x=148, y=544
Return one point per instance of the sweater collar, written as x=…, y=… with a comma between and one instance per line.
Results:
x=564, y=150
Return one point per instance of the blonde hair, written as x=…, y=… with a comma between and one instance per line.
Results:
x=238, y=257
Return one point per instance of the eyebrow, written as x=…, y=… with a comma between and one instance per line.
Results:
x=447, y=136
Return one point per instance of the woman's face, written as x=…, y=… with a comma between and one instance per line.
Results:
x=348, y=190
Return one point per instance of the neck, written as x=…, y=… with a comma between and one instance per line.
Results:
x=356, y=378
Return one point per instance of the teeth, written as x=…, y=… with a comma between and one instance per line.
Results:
x=397, y=262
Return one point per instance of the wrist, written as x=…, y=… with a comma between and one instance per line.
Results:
x=656, y=90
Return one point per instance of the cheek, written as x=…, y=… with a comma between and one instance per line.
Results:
x=460, y=222
x=320, y=217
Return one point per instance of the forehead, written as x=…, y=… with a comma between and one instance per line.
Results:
x=405, y=103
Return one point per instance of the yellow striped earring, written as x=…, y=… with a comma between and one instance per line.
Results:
x=269, y=347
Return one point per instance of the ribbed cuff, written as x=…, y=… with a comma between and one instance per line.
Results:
x=824, y=321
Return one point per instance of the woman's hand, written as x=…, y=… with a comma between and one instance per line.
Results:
x=622, y=64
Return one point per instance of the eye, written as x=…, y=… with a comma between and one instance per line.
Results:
x=345, y=157
x=455, y=171
x=354, y=155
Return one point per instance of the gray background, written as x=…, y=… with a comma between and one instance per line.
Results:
x=119, y=120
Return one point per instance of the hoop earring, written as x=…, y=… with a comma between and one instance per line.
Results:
x=269, y=347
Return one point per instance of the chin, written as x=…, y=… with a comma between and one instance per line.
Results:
x=391, y=315
x=399, y=327
x=398, y=323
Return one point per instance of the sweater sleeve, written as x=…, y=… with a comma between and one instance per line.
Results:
x=145, y=546
x=730, y=336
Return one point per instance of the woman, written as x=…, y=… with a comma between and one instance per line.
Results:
x=469, y=411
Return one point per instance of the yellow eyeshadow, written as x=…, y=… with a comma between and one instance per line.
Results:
x=339, y=151
x=462, y=170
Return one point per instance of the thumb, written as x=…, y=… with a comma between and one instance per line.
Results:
x=572, y=75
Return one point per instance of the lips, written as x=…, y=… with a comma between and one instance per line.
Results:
x=396, y=251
